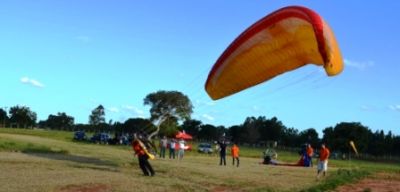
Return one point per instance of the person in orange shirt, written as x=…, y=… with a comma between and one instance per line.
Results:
x=235, y=154
x=139, y=149
x=323, y=160
x=310, y=153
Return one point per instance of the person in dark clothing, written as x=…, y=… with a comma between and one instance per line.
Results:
x=143, y=155
x=172, y=146
x=222, y=152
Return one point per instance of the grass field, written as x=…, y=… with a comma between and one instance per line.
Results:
x=39, y=160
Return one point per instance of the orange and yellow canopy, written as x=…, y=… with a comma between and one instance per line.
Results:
x=285, y=40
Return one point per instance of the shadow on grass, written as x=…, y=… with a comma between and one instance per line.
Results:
x=96, y=167
x=72, y=158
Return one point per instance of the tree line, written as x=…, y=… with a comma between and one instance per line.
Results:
x=166, y=119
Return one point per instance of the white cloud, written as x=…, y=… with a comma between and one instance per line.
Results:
x=36, y=83
x=140, y=116
x=256, y=108
x=134, y=110
x=32, y=82
x=358, y=65
x=128, y=107
x=113, y=109
x=208, y=117
x=83, y=38
x=209, y=103
x=395, y=107
x=365, y=108
x=25, y=80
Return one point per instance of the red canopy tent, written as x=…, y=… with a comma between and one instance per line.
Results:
x=183, y=135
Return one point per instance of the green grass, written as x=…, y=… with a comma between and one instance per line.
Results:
x=7, y=144
x=59, y=135
x=49, y=154
x=338, y=178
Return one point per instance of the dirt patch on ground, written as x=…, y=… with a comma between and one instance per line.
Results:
x=86, y=188
x=381, y=182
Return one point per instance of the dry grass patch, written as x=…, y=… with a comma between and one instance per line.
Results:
x=89, y=167
x=22, y=172
x=383, y=182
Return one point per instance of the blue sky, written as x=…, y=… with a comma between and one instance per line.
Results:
x=71, y=56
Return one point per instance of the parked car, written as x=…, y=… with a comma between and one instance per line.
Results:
x=102, y=138
x=80, y=136
x=205, y=148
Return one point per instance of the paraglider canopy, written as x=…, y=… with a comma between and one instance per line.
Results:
x=183, y=135
x=282, y=41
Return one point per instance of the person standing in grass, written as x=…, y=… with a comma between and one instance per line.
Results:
x=181, y=149
x=163, y=146
x=310, y=153
x=222, y=152
x=323, y=161
x=141, y=152
x=172, y=145
x=235, y=154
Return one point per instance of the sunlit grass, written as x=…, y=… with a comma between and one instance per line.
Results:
x=7, y=144
x=50, y=161
x=59, y=135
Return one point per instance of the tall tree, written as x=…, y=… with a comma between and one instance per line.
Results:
x=134, y=125
x=235, y=132
x=169, y=127
x=251, y=129
x=208, y=132
x=22, y=116
x=3, y=117
x=191, y=126
x=329, y=135
x=98, y=116
x=378, y=145
x=339, y=137
x=168, y=105
x=271, y=129
x=396, y=145
x=222, y=133
x=290, y=137
x=389, y=141
x=60, y=121
x=309, y=136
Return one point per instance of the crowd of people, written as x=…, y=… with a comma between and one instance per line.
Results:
x=172, y=145
x=143, y=154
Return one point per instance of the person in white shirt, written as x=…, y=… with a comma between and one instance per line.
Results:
x=181, y=149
